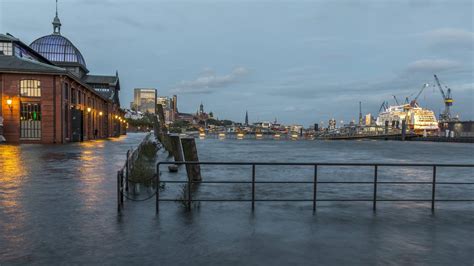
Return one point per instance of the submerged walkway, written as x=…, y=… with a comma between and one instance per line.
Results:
x=58, y=206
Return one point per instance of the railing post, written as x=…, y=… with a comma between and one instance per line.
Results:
x=118, y=192
x=189, y=194
x=157, y=188
x=127, y=165
x=374, y=206
x=121, y=187
x=253, y=187
x=433, y=190
x=315, y=186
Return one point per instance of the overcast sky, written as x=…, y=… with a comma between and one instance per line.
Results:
x=297, y=61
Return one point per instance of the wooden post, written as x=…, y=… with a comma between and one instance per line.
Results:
x=161, y=116
x=404, y=129
x=176, y=148
x=191, y=155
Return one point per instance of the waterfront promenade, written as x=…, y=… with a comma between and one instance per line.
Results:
x=58, y=206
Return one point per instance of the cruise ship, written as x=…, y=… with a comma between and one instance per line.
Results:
x=418, y=119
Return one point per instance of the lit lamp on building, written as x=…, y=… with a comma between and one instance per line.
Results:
x=89, y=109
x=9, y=103
x=116, y=117
x=100, y=113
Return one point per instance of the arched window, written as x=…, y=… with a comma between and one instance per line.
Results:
x=30, y=88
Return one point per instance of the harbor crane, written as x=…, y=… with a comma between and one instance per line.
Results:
x=396, y=100
x=414, y=101
x=384, y=106
x=448, y=102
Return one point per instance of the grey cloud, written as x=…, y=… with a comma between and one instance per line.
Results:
x=209, y=82
x=433, y=65
x=451, y=37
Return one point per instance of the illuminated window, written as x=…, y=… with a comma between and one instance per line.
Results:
x=30, y=88
x=30, y=121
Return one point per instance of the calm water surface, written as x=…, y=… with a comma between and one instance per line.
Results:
x=58, y=206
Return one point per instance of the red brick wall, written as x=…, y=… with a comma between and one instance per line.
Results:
x=53, y=108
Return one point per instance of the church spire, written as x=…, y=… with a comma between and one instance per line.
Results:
x=56, y=22
x=246, y=118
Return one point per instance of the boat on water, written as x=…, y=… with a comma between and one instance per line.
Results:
x=418, y=120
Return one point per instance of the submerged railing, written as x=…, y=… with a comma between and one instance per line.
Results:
x=375, y=183
x=124, y=172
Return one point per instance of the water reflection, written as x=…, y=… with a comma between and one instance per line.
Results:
x=58, y=206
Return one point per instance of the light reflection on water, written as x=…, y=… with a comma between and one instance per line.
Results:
x=57, y=206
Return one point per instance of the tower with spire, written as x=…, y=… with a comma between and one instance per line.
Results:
x=201, y=109
x=56, y=22
x=246, y=118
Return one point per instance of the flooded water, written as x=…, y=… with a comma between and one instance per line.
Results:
x=58, y=206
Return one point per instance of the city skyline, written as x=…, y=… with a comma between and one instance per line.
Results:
x=301, y=62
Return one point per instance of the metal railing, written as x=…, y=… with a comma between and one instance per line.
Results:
x=315, y=182
x=123, y=173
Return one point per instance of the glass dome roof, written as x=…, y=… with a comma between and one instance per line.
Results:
x=57, y=48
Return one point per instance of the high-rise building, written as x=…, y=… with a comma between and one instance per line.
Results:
x=145, y=100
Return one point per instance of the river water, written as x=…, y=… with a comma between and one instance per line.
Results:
x=58, y=206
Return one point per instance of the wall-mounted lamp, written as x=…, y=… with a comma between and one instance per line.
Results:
x=100, y=113
x=9, y=103
x=89, y=109
x=116, y=117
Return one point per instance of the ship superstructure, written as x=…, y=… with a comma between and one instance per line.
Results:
x=417, y=119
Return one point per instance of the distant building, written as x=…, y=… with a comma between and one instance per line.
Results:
x=144, y=100
x=200, y=114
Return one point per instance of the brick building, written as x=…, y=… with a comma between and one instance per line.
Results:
x=48, y=96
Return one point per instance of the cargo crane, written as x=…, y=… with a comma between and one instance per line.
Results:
x=383, y=106
x=414, y=101
x=396, y=100
x=448, y=102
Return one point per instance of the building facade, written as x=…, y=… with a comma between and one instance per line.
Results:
x=144, y=100
x=48, y=96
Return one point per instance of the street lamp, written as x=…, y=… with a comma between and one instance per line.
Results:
x=9, y=103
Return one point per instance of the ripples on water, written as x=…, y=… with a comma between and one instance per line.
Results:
x=58, y=205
